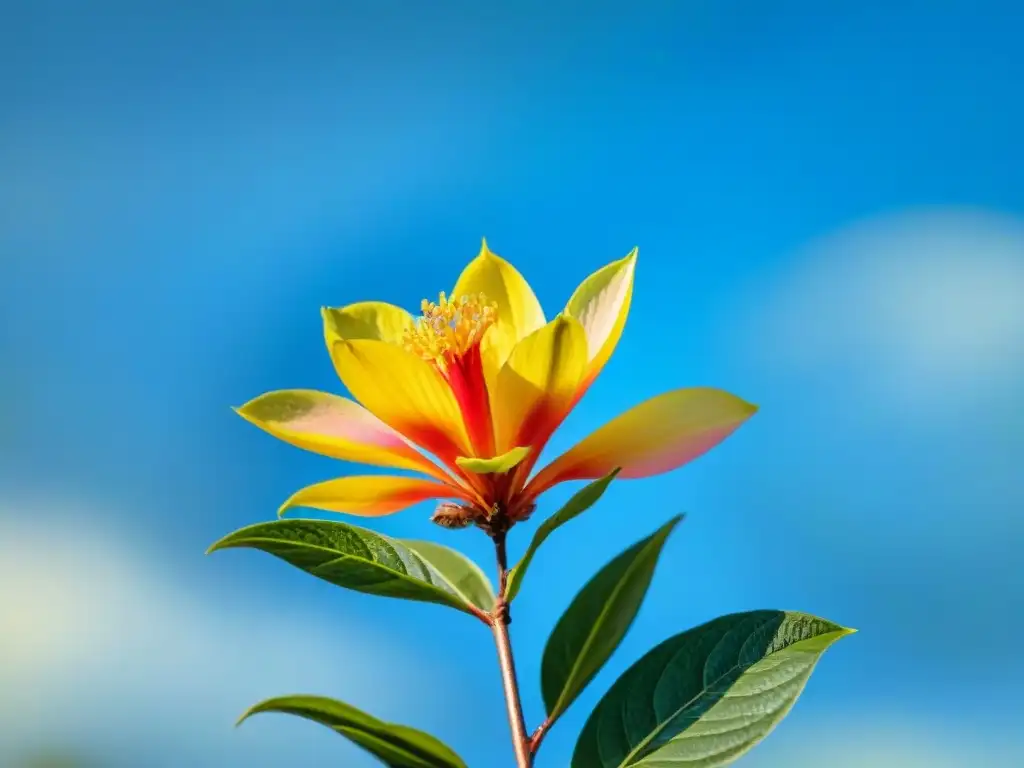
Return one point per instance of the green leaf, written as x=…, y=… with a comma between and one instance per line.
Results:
x=581, y=501
x=703, y=698
x=497, y=465
x=359, y=559
x=397, y=746
x=463, y=575
x=595, y=623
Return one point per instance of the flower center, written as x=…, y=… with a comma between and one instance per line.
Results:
x=448, y=335
x=450, y=328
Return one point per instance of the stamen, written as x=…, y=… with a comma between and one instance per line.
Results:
x=450, y=328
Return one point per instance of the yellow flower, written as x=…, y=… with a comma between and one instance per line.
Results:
x=468, y=394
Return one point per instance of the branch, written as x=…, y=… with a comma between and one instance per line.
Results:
x=539, y=734
x=499, y=625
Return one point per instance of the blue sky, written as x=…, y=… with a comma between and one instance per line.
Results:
x=827, y=204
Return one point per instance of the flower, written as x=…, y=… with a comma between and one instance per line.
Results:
x=467, y=395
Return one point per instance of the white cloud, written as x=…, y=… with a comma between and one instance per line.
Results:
x=920, y=307
x=101, y=646
x=890, y=357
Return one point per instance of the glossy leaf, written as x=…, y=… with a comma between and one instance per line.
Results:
x=463, y=575
x=397, y=746
x=703, y=698
x=581, y=501
x=591, y=629
x=364, y=561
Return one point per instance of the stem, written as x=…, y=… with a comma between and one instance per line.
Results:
x=539, y=734
x=501, y=620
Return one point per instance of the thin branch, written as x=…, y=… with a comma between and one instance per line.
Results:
x=502, y=555
x=501, y=620
x=539, y=734
x=484, y=617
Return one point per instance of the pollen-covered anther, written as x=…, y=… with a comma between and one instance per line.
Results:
x=450, y=327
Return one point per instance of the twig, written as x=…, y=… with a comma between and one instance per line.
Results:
x=499, y=624
x=539, y=734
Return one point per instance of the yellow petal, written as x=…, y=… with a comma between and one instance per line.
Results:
x=366, y=320
x=336, y=427
x=535, y=387
x=519, y=313
x=405, y=392
x=497, y=465
x=495, y=347
x=368, y=496
x=601, y=304
x=656, y=436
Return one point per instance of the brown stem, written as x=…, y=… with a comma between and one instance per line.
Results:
x=484, y=617
x=539, y=734
x=520, y=740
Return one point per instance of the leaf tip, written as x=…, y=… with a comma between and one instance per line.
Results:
x=218, y=544
x=246, y=715
x=672, y=522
